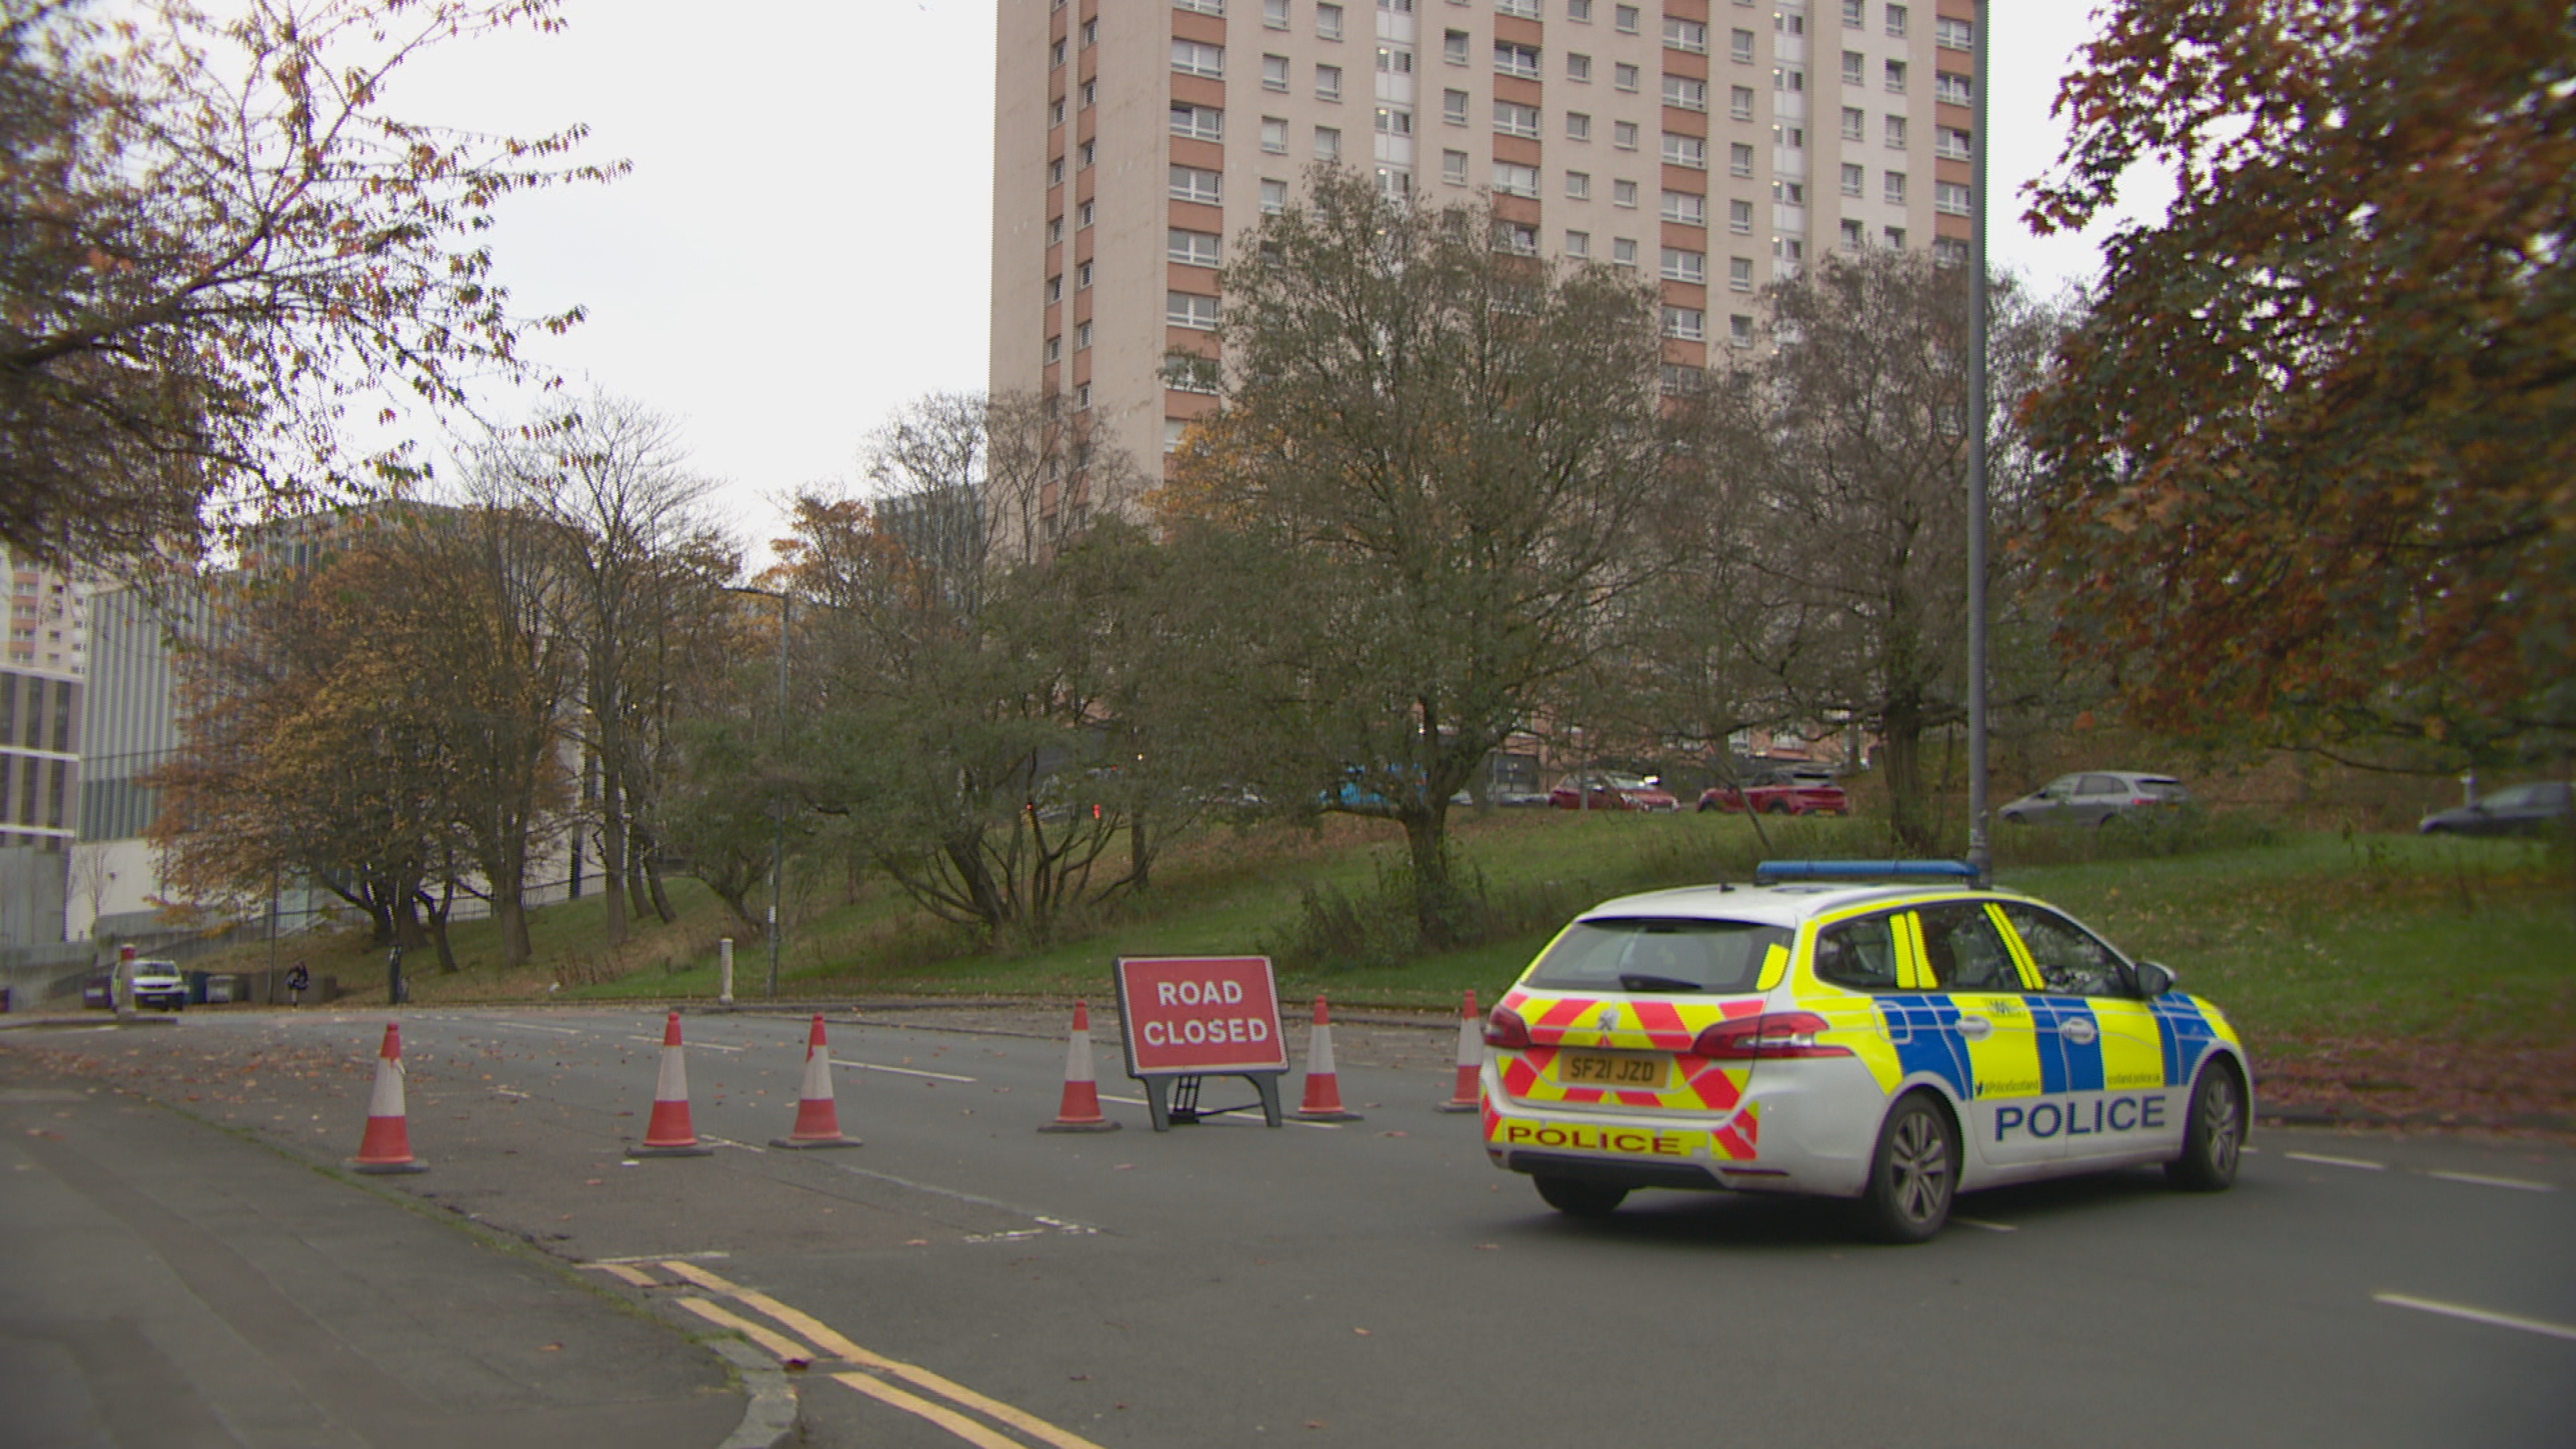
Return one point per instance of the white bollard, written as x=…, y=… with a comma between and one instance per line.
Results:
x=724, y=972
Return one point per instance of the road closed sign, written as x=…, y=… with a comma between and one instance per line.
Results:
x=1194, y=1015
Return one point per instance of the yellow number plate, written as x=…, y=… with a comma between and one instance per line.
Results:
x=1610, y=1069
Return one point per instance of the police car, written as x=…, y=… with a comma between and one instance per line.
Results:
x=1826, y=1032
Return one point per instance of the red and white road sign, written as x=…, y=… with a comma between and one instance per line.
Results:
x=1200, y=1015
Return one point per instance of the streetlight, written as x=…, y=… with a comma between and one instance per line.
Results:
x=778, y=795
x=1981, y=851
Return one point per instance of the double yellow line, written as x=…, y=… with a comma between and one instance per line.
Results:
x=815, y=1341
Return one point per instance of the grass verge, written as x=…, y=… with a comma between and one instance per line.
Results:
x=2382, y=970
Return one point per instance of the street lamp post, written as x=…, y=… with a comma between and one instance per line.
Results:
x=1981, y=853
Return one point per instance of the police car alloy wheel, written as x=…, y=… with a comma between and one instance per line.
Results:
x=1915, y=1174
x=2214, y=1136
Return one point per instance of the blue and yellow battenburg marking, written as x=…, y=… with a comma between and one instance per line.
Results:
x=2187, y=1027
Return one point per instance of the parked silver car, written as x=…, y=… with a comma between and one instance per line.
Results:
x=2095, y=797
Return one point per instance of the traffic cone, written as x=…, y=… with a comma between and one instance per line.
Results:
x=1471, y=1057
x=818, y=1116
x=668, y=1133
x=1323, y=1092
x=387, y=1146
x=1080, y=1109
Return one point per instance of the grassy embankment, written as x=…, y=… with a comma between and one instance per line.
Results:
x=2303, y=938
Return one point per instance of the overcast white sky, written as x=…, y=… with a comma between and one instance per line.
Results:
x=804, y=243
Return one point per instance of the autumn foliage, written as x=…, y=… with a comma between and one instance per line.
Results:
x=2317, y=444
x=219, y=247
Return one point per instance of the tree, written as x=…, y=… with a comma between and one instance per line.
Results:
x=722, y=815
x=303, y=752
x=392, y=718
x=1838, y=457
x=477, y=588
x=217, y=238
x=1433, y=464
x=91, y=880
x=957, y=715
x=638, y=592
x=2314, y=444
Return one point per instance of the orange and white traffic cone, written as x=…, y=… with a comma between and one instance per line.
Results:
x=1471, y=1058
x=668, y=1133
x=1323, y=1091
x=1080, y=1109
x=818, y=1115
x=387, y=1146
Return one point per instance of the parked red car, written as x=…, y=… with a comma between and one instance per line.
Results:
x=1610, y=790
x=1780, y=797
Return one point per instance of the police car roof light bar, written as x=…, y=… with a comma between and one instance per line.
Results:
x=1772, y=872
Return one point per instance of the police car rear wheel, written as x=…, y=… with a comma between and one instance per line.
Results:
x=1576, y=1198
x=2214, y=1135
x=1914, y=1174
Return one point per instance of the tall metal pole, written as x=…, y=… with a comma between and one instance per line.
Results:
x=778, y=801
x=1981, y=853
x=276, y=887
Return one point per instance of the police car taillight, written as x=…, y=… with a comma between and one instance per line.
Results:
x=1505, y=1029
x=1774, y=1036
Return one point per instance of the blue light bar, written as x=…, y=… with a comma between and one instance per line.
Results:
x=1771, y=872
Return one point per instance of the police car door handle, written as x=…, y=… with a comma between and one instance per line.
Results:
x=2079, y=1030
x=1975, y=1028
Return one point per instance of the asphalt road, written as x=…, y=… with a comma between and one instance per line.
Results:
x=1377, y=1283
x=165, y=1283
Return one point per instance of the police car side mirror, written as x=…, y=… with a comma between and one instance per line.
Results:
x=2154, y=980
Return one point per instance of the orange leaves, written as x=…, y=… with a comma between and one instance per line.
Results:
x=2319, y=412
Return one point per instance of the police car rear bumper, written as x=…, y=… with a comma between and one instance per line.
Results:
x=1796, y=1131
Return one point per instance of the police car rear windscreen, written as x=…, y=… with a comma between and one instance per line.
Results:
x=1654, y=955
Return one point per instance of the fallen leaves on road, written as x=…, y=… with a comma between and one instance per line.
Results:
x=2523, y=1089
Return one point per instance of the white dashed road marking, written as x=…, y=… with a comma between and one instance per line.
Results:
x=898, y=1071
x=2478, y=1315
x=2515, y=1183
x=2356, y=1163
x=1980, y=1223
x=695, y=1046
